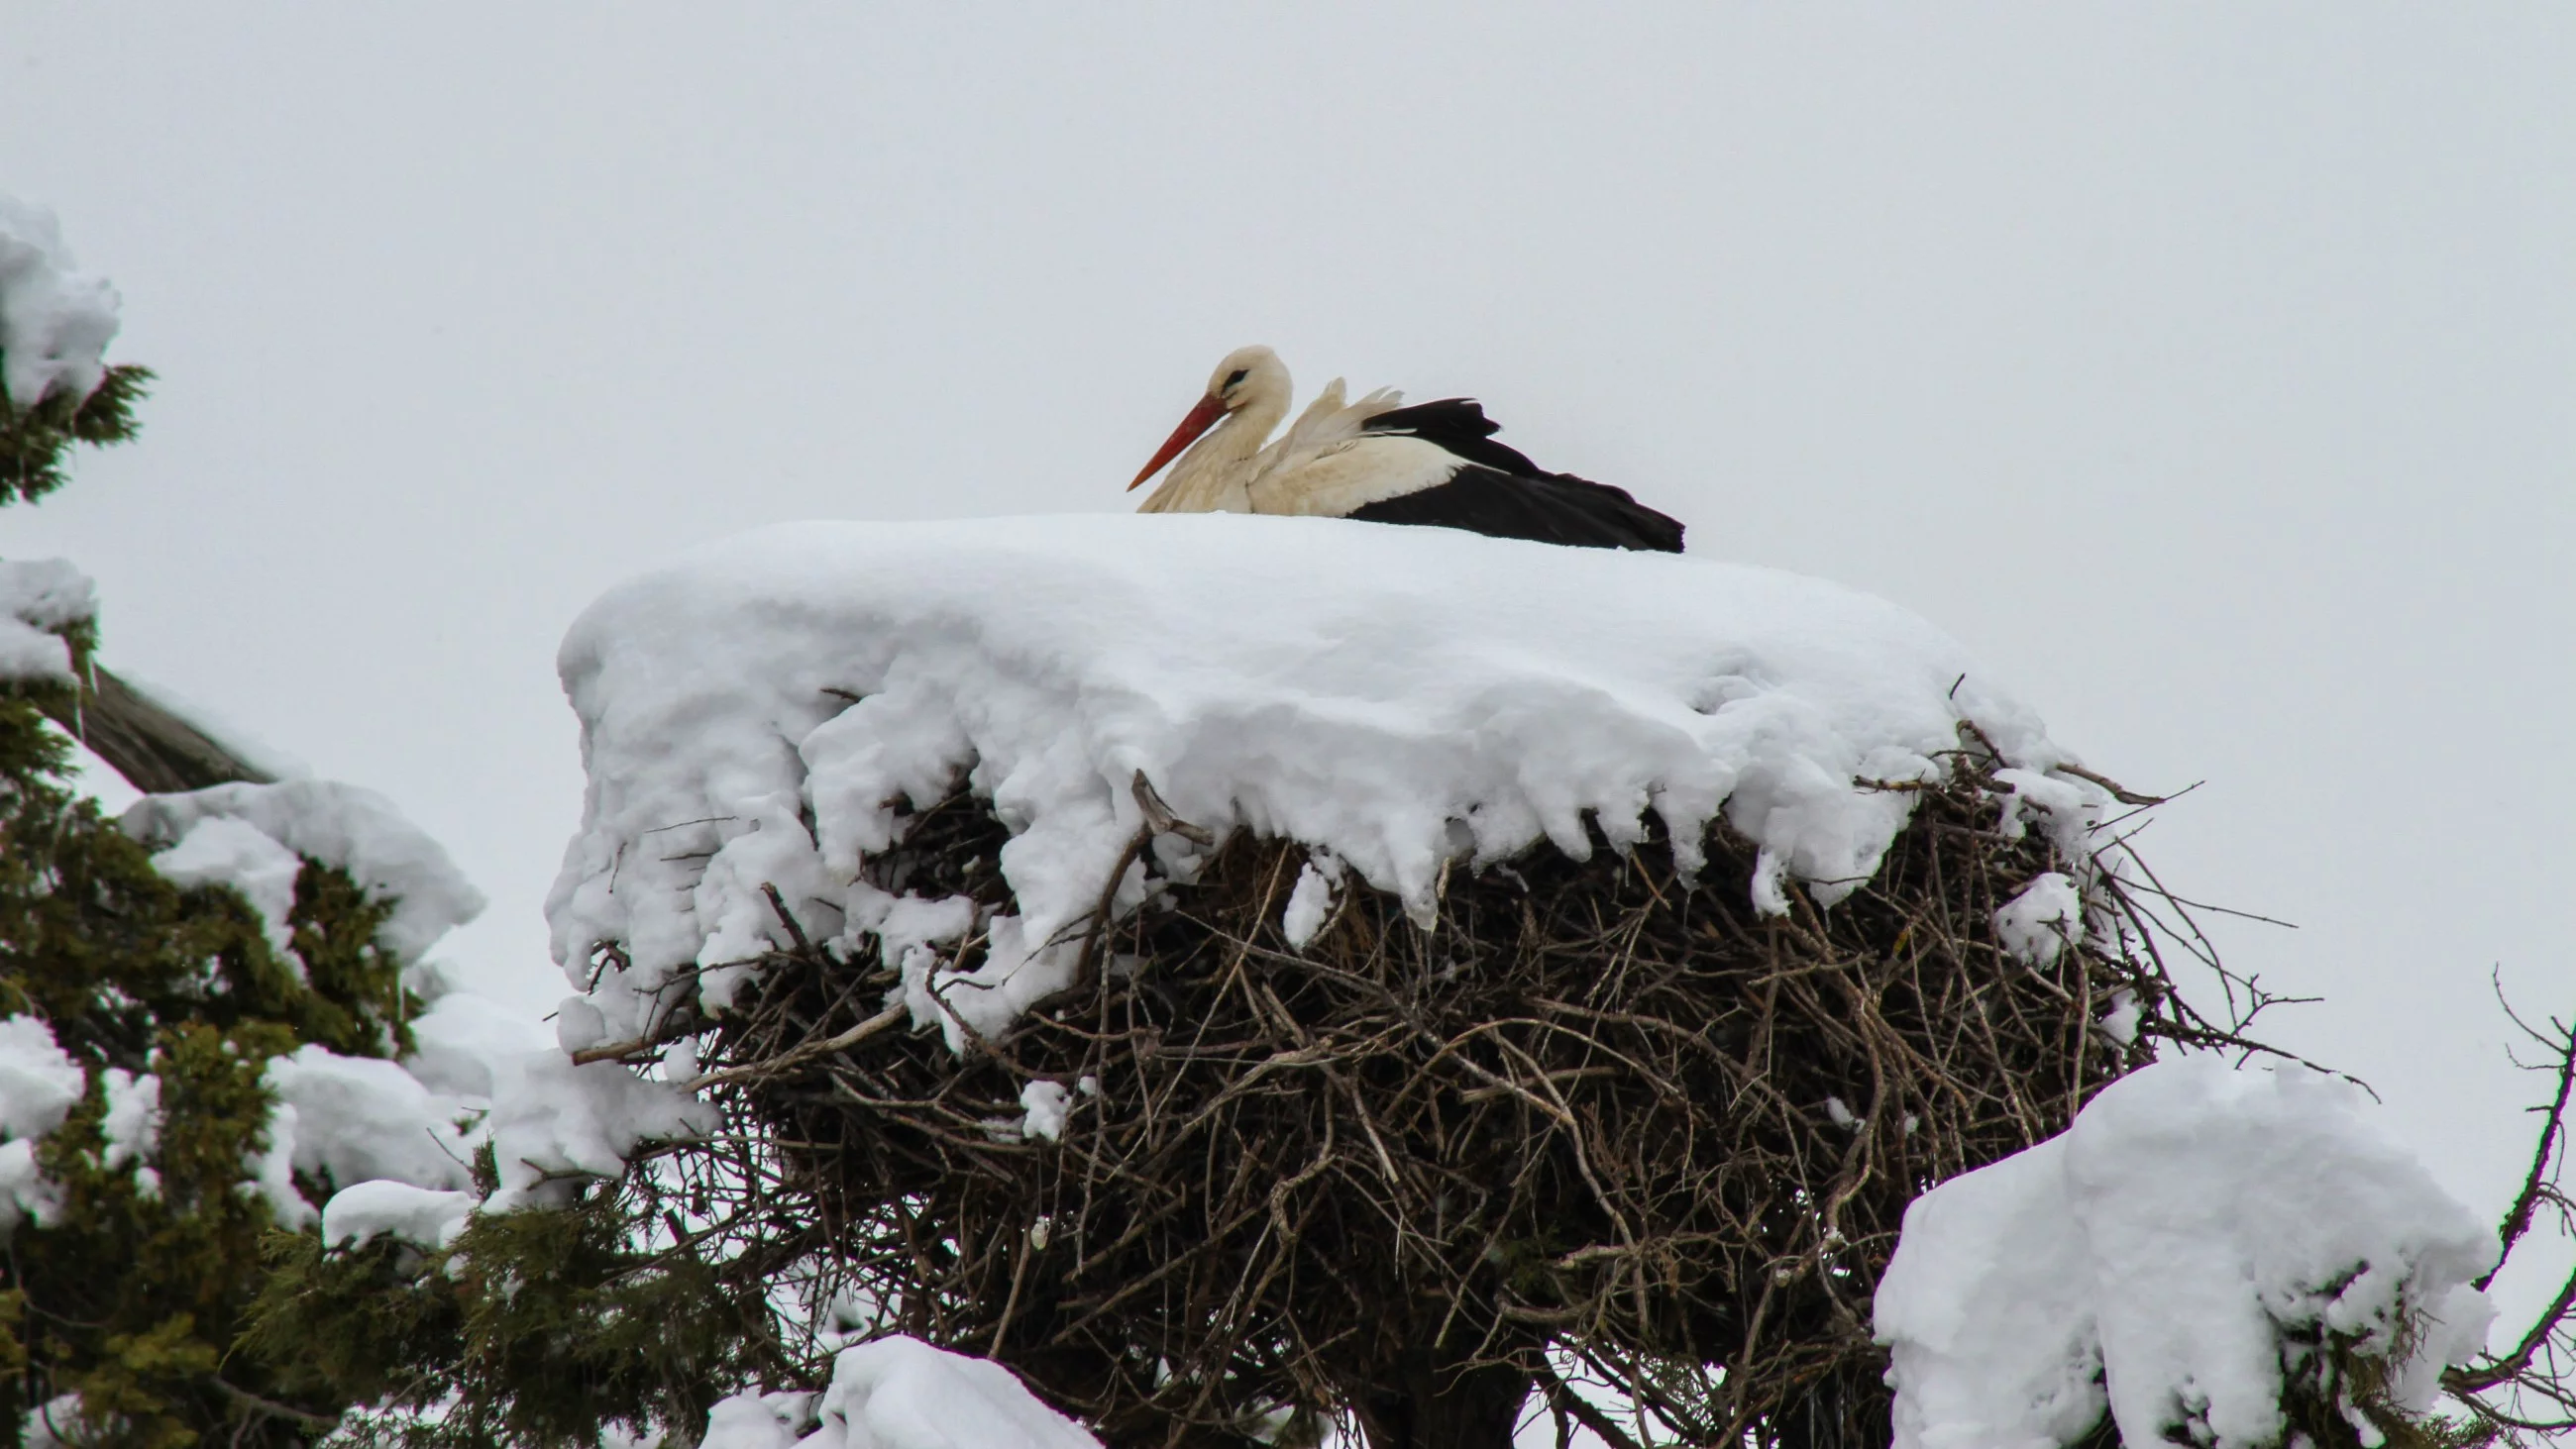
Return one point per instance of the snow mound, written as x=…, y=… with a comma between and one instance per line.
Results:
x=756, y=1421
x=55, y=320
x=2156, y=1255
x=1400, y=698
x=355, y=829
x=395, y=1139
x=554, y=1120
x=38, y=596
x=901, y=1393
x=358, y=1119
x=421, y=1216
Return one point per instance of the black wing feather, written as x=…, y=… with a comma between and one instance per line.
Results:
x=1457, y=425
x=1503, y=494
x=1548, y=508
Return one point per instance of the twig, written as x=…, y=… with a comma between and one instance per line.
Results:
x=2535, y=1183
x=1160, y=816
x=805, y=1053
x=2118, y=792
x=1562, y=1398
x=795, y=932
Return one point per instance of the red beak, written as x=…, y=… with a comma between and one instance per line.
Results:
x=1201, y=418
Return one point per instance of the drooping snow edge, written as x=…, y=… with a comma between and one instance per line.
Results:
x=348, y=826
x=763, y=715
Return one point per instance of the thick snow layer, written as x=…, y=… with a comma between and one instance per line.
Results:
x=1397, y=697
x=421, y=1216
x=2156, y=1253
x=356, y=829
x=38, y=596
x=357, y=1119
x=55, y=320
x=900, y=1393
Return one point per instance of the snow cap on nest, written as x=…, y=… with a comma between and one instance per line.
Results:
x=1402, y=698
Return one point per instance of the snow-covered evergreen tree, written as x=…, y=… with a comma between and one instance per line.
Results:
x=168, y=982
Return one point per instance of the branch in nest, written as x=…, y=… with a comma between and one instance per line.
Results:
x=1583, y=1112
x=1562, y=1398
x=795, y=932
x=805, y=1053
x=2118, y=792
x=1160, y=816
x=616, y=1051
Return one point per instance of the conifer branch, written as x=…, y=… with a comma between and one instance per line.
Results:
x=157, y=751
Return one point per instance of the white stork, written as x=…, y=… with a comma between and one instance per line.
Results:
x=1436, y=464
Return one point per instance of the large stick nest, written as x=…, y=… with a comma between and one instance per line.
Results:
x=1599, y=1124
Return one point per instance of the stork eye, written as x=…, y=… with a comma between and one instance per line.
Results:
x=1238, y=375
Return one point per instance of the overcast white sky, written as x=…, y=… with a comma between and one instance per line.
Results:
x=2210, y=369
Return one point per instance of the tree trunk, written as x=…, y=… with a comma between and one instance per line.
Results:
x=1426, y=1401
x=155, y=750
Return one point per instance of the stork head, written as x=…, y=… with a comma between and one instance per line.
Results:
x=1249, y=379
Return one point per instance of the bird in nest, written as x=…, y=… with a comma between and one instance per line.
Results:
x=1435, y=465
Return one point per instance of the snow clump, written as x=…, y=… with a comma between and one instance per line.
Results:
x=421, y=1216
x=401, y=1135
x=38, y=596
x=2156, y=1258
x=359, y=1119
x=220, y=850
x=1310, y=905
x=1044, y=1106
x=2042, y=920
x=55, y=319
x=1403, y=699
x=131, y=1128
x=39, y=1086
x=900, y=1393
x=355, y=829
